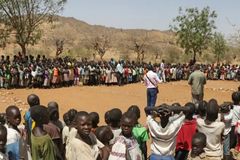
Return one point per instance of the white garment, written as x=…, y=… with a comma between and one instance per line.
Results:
x=116, y=134
x=213, y=133
x=119, y=68
x=13, y=136
x=76, y=149
x=153, y=79
x=125, y=149
x=164, y=139
x=34, y=73
x=236, y=114
x=65, y=134
x=228, y=121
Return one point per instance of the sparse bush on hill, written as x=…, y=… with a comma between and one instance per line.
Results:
x=157, y=46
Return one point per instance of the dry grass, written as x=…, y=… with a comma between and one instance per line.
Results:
x=75, y=32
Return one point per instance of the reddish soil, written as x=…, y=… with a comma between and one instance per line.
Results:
x=103, y=98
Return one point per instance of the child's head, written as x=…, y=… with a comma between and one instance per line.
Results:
x=83, y=123
x=95, y=119
x=135, y=110
x=164, y=113
x=176, y=104
x=2, y=118
x=236, y=98
x=225, y=107
x=191, y=111
x=40, y=115
x=104, y=134
x=66, y=119
x=72, y=114
x=3, y=138
x=69, y=116
x=199, y=141
x=13, y=116
x=115, y=117
x=53, y=111
x=127, y=123
x=33, y=100
x=202, y=108
x=106, y=117
x=212, y=110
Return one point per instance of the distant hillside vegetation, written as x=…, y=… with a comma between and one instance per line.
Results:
x=76, y=34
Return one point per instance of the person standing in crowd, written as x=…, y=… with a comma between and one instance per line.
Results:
x=32, y=100
x=199, y=141
x=42, y=146
x=213, y=129
x=236, y=117
x=13, y=116
x=83, y=144
x=151, y=80
x=185, y=134
x=197, y=80
x=119, y=70
x=164, y=132
x=162, y=67
x=126, y=146
x=3, y=140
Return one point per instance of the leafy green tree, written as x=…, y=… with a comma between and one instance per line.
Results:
x=194, y=29
x=22, y=18
x=219, y=46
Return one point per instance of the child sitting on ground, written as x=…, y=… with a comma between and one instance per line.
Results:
x=95, y=120
x=3, y=141
x=139, y=132
x=41, y=143
x=184, y=136
x=126, y=146
x=198, y=144
x=213, y=131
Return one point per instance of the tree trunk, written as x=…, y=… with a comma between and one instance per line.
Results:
x=142, y=58
x=194, y=57
x=218, y=59
x=138, y=57
x=24, y=50
x=101, y=56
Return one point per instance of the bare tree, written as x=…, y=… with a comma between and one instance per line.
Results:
x=23, y=18
x=59, y=47
x=138, y=43
x=100, y=43
x=157, y=51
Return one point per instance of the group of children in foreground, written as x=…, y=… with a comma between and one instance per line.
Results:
x=207, y=132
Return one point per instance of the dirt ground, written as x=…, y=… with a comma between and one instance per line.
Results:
x=102, y=98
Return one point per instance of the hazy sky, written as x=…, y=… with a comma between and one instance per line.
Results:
x=149, y=14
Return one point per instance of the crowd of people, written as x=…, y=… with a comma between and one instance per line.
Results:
x=42, y=72
x=208, y=131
